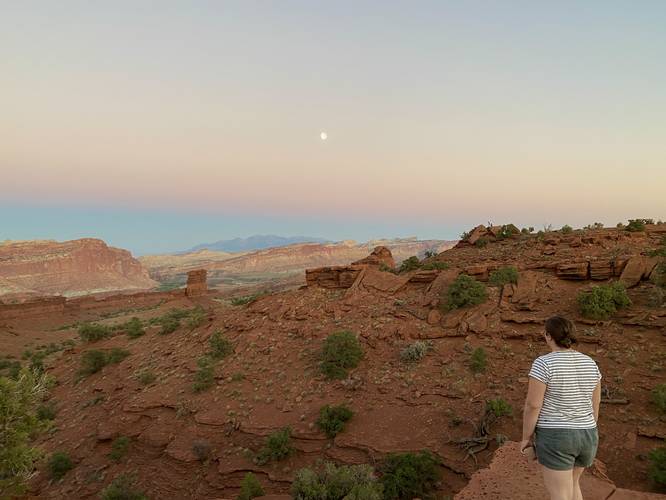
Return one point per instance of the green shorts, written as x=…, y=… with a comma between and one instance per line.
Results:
x=564, y=449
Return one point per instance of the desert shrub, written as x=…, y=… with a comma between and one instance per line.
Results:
x=146, y=377
x=19, y=399
x=429, y=253
x=220, y=347
x=250, y=487
x=10, y=368
x=478, y=360
x=92, y=361
x=278, y=446
x=442, y=266
x=410, y=264
x=332, y=419
x=46, y=411
x=602, y=301
x=503, y=275
x=658, y=276
x=498, y=407
x=355, y=482
x=204, y=378
x=246, y=299
x=415, y=352
x=168, y=324
x=197, y=317
x=37, y=362
x=122, y=488
x=595, y=225
x=636, y=225
x=566, y=229
x=481, y=243
x=410, y=475
x=59, y=465
x=464, y=236
x=116, y=355
x=119, y=448
x=202, y=449
x=92, y=332
x=465, y=291
x=134, y=328
x=506, y=231
x=659, y=397
x=657, y=471
x=341, y=351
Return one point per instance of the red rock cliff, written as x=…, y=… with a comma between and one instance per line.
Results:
x=69, y=268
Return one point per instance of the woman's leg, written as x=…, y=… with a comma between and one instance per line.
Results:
x=559, y=483
x=577, y=473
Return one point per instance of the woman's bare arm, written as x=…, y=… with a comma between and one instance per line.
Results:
x=596, y=399
x=535, y=393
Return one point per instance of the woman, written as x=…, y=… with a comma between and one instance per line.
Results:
x=561, y=411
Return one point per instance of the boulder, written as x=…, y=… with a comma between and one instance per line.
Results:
x=477, y=233
x=601, y=269
x=380, y=255
x=637, y=268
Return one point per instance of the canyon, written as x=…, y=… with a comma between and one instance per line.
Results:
x=272, y=379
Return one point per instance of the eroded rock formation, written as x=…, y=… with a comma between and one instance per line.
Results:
x=69, y=268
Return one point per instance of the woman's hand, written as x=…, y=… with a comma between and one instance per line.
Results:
x=527, y=449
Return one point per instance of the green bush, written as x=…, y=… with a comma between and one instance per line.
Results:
x=92, y=332
x=341, y=351
x=205, y=375
x=658, y=276
x=116, y=355
x=481, y=243
x=478, y=360
x=636, y=225
x=278, y=446
x=122, y=488
x=465, y=291
x=498, y=407
x=168, y=324
x=503, y=276
x=19, y=399
x=146, y=377
x=410, y=475
x=415, y=352
x=659, y=397
x=410, y=264
x=442, y=266
x=92, y=361
x=246, y=299
x=350, y=482
x=220, y=347
x=602, y=301
x=46, y=411
x=250, y=487
x=658, y=466
x=197, y=317
x=566, y=229
x=119, y=448
x=332, y=419
x=59, y=465
x=506, y=231
x=134, y=328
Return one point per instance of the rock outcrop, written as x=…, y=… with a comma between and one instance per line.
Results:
x=69, y=268
x=196, y=283
x=380, y=255
x=511, y=475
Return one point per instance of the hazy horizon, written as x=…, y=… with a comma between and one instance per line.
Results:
x=160, y=126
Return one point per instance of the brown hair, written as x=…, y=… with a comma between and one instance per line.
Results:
x=562, y=331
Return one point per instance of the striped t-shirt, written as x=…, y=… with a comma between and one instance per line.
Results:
x=570, y=379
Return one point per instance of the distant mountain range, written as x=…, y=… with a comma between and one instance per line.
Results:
x=256, y=242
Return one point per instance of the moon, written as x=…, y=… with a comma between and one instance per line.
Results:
x=323, y=136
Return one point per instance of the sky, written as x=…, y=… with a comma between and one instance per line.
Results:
x=160, y=125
